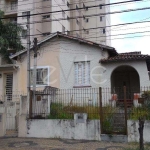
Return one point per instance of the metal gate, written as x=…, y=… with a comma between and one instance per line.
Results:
x=12, y=118
x=113, y=117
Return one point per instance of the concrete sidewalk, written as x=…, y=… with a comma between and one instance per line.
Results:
x=58, y=144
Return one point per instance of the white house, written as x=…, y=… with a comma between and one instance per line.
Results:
x=68, y=62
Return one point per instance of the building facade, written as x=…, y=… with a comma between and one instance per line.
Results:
x=61, y=21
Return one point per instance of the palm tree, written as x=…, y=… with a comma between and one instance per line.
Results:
x=9, y=38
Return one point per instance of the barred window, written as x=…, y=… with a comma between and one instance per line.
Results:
x=41, y=76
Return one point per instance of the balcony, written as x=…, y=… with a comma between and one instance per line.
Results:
x=11, y=8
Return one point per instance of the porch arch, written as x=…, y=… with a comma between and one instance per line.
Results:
x=125, y=76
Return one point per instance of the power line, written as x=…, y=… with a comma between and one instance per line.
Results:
x=77, y=9
x=49, y=6
x=130, y=23
x=88, y=16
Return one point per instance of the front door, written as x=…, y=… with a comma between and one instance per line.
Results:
x=121, y=80
x=9, y=86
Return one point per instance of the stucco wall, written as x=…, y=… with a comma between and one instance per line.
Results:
x=48, y=55
x=139, y=66
x=66, y=129
x=133, y=133
x=71, y=52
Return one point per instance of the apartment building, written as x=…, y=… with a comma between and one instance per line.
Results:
x=60, y=21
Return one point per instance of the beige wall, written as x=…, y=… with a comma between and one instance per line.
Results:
x=48, y=55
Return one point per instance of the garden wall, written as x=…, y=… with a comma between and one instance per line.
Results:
x=133, y=132
x=65, y=129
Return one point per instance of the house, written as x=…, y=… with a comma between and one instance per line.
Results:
x=68, y=62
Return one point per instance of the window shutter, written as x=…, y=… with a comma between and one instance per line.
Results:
x=88, y=72
x=76, y=73
x=80, y=74
x=45, y=76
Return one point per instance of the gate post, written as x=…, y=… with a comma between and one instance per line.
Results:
x=125, y=108
x=101, y=111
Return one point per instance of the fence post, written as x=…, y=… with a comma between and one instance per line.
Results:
x=101, y=110
x=125, y=108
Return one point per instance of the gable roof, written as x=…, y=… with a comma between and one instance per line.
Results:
x=131, y=56
x=110, y=50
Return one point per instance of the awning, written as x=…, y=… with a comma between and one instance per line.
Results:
x=8, y=67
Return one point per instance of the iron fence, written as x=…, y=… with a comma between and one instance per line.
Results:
x=55, y=103
x=125, y=103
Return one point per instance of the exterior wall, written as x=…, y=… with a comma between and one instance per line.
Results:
x=46, y=6
x=65, y=129
x=133, y=132
x=139, y=66
x=95, y=35
x=71, y=52
x=48, y=55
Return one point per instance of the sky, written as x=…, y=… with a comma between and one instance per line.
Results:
x=141, y=43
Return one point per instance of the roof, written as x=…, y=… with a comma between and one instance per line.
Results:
x=131, y=56
x=111, y=50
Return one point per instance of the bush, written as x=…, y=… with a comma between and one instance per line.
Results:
x=138, y=112
x=58, y=111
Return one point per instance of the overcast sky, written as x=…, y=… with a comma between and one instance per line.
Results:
x=136, y=43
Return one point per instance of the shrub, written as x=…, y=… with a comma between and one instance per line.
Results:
x=59, y=111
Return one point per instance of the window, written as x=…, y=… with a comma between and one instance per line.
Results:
x=104, y=31
x=77, y=21
x=101, y=6
x=82, y=74
x=41, y=76
x=14, y=5
x=101, y=18
x=77, y=7
x=24, y=34
x=25, y=13
x=46, y=16
x=87, y=20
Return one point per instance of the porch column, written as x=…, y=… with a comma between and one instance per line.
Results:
x=135, y=100
x=113, y=100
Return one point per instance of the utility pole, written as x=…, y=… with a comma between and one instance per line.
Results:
x=35, y=66
x=28, y=61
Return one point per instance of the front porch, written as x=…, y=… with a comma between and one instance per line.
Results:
x=125, y=84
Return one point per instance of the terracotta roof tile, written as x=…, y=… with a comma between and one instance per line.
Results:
x=126, y=57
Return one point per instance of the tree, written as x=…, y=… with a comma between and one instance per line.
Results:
x=9, y=38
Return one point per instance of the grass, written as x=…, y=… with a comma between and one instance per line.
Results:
x=138, y=112
x=59, y=111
